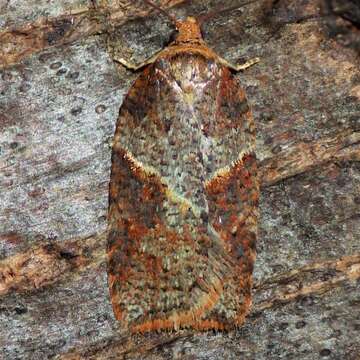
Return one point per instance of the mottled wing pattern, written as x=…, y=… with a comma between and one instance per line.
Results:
x=183, y=199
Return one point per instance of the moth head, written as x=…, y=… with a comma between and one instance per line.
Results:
x=188, y=31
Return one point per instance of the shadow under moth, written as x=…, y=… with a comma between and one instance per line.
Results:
x=183, y=193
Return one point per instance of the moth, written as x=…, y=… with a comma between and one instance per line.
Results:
x=183, y=202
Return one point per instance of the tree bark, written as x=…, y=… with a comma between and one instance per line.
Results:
x=60, y=94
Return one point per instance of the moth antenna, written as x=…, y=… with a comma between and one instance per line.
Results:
x=162, y=11
x=217, y=11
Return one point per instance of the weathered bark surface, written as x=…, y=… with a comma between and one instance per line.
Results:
x=60, y=94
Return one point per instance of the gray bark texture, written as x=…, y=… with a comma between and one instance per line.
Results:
x=60, y=94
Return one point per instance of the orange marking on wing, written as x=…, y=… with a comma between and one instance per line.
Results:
x=188, y=318
x=116, y=307
x=219, y=182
